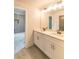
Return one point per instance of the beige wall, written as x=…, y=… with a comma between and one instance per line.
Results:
x=40, y=19
x=36, y=19
x=44, y=18
x=29, y=29
x=33, y=23
x=19, y=4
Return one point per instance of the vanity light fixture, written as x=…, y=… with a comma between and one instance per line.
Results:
x=54, y=7
x=61, y=5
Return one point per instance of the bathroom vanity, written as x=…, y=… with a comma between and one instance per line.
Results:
x=50, y=40
x=51, y=43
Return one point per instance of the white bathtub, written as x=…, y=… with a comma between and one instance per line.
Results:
x=18, y=41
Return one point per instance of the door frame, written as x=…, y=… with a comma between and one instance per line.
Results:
x=26, y=23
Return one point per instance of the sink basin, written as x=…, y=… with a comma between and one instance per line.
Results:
x=54, y=33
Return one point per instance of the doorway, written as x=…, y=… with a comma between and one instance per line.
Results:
x=19, y=29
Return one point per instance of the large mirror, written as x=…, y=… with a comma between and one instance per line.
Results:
x=52, y=16
x=61, y=22
x=56, y=20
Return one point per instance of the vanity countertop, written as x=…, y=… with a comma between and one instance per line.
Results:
x=52, y=34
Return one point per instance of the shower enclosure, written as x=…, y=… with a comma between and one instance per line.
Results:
x=19, y=29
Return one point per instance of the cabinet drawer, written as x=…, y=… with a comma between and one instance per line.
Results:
x=58, y=42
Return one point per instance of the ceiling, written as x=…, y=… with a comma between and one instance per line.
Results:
x=34, y=3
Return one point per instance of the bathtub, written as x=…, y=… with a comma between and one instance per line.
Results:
x=18, y=41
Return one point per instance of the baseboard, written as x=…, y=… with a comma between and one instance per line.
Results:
x=28, y=44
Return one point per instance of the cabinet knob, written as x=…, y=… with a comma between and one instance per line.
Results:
x=53, y=47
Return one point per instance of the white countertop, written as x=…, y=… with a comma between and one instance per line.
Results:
x=52, y=34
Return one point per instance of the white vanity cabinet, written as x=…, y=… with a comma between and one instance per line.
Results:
x=52, y=47
x=42, y=43
x=58, y=49
x=58, y=52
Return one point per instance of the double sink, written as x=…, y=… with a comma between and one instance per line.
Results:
x=58, y=34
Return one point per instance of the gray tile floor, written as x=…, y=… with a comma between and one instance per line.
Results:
x=30, y=53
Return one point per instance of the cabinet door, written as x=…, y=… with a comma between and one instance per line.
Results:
x=36, y=39
x=52, y=51
x=39, y=41
x=47, y=47
x=43, y=43
x=58, y=52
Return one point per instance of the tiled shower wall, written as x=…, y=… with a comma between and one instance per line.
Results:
x=19, y=21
